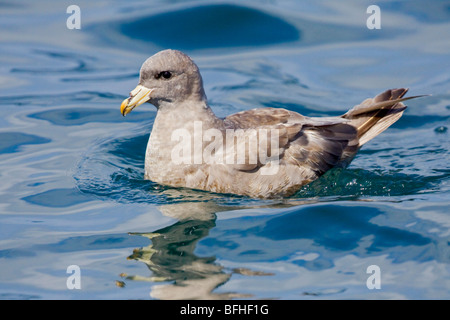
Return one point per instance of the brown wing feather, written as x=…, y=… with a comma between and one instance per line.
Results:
x=313, y=144
x=320, y=148
x=261, y=117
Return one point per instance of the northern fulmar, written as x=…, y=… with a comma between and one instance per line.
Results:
x=261, y=153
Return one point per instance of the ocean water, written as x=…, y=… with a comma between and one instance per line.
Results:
x=71, y=167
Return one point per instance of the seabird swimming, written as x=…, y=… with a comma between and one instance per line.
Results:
x=262, y=153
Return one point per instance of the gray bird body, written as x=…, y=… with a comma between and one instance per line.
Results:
x=263, y=153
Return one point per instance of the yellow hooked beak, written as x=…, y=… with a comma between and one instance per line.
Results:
x=137, y=97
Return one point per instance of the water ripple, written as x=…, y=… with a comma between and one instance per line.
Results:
x=228, y=26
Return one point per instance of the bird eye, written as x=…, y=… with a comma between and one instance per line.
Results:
x=164, y=74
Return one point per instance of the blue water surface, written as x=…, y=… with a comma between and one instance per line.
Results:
x=71, y=167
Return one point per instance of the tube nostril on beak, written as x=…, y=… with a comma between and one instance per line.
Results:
x=137, y=97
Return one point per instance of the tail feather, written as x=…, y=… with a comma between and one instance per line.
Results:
x=374, y=115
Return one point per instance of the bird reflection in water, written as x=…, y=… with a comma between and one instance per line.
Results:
x=171, y=257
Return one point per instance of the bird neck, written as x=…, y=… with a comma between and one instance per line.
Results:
x=182, y=115
x=176, y=125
